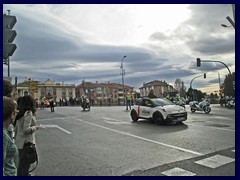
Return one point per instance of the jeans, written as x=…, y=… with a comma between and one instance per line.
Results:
x=23, y=166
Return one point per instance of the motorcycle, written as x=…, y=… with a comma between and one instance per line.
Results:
x=86, y=104
x=231, y=103
x=202, y=106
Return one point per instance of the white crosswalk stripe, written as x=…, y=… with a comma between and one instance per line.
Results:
x=215, y=161
x=178, y=172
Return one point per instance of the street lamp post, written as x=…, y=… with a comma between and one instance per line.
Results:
x=123, y=74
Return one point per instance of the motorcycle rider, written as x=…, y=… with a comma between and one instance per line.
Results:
x=85, y=101
x=202, y=106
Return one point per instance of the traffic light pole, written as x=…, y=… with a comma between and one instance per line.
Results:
x=199, y=64
x=204, y=75
x=193, y=79
x=219, y=62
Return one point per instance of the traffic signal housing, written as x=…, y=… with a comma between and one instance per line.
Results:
x=198, y=62
x=8, y=36
x=204, y=75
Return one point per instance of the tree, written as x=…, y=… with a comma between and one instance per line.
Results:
x=229, y=89
x=179, y=86
x=195, y=95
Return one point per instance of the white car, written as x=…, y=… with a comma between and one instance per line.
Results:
x=159, y=110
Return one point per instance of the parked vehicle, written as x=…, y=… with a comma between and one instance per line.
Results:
x=159, y=110
x=202, y=106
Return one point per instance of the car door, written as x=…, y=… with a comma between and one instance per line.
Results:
x=145, y=111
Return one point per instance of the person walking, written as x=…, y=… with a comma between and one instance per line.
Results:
x=128, y=98
x=42, y=103
x=10, y=150
x=52, y=105
x=26, y=127
x=7, y=91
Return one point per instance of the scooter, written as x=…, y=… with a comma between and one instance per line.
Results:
x=202, y=106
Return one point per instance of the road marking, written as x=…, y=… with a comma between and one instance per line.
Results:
x=215, y=161
x=178, y=172
x=56, y=118
x=55, y=126
x=114, y=121
x=142, y=138
x=110, y=119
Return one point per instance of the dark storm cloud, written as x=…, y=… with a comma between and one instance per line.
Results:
x=211, y=45
x=208, y=35
x=203, y=33
x=48, y=46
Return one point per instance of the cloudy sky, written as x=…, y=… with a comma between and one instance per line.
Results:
x=74, y=42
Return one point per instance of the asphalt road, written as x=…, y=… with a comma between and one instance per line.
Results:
x=104, y=142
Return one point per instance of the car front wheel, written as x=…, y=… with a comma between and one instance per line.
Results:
x=158, y=118
x=134, y=115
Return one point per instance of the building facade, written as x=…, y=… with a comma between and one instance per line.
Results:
x=103, y=92
x=48, y=89
x=160, y=88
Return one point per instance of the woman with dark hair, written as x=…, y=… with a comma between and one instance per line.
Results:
x=9, y=148
x=25, y=130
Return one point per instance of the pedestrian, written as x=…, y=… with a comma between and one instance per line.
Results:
x=128, y=98
x=7, y=91
x=7, y=88
x=42, y=103
x=52, y=105
x=26, y=127
x=36, y=101
x=10, y=150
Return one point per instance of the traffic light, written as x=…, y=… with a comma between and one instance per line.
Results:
x=204, y=75
x=198, y=62
x=8, y=36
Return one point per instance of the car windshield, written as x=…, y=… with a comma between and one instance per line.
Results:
x=161, y=102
